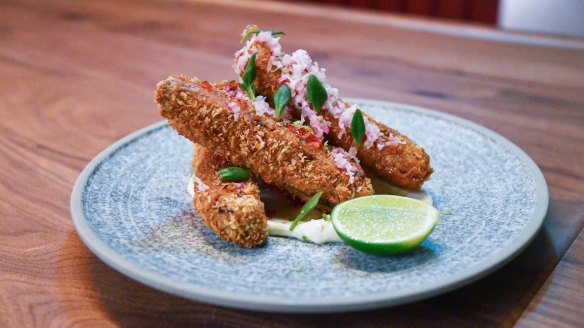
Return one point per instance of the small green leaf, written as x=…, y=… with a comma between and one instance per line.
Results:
x=297, y=269
x=233, y=173
x=281, y=99
x=250, y=70
x=316, y=92
x=249, y=76
x=250, y=32
x=309, y=206
x=306, y=239
x=358, y=126
x=446, y=212
x=326, y=217
x=326, y=146
x=249, y=89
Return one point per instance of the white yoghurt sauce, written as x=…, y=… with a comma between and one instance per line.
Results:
x=317, y=230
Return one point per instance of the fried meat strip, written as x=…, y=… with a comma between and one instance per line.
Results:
x=393, y=156
x=233, y=210
x=272, y=150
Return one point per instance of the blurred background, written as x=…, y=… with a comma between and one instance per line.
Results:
x=563, y=17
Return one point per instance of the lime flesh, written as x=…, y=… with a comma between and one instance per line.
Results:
x=384, y=224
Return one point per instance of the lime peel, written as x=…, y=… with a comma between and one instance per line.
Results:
x=384, y=224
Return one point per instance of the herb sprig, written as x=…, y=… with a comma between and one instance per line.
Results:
x=249, y=76
x=358, y=126
x=251, y=32
x=316, y=93
x=233, y=173
x=309, y=206
x=281, y=99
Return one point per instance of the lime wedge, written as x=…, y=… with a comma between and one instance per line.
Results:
x=384, y=224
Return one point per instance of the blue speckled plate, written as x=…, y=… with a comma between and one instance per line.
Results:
x=131, y=208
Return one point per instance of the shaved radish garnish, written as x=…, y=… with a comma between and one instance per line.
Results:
x=201, y=186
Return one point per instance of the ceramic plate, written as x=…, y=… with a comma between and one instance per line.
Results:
x=131, y=208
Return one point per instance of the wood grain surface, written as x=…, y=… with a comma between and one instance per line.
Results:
x=77, y=75
x=559, y=300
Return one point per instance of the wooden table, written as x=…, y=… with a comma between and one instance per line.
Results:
x=77, y=75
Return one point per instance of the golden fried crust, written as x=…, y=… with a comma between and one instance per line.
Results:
x=232, y=210
x=405, y=165
x=262, y=144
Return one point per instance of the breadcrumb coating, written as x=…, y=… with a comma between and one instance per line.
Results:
x=268, y=147
x=233, y=210
x=403, y=163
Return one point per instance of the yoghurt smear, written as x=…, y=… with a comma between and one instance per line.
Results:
x=318, y=230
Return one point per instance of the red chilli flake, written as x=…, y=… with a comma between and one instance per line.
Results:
x=243, y=104
x=221, y=161
x=298, y=132
x=308, y=137
x=312, y=138
x=207, y=86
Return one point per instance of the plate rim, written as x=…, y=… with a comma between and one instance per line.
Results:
x=248, y=301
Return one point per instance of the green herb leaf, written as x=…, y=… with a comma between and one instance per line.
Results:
x=250, y=70
x=316, y=92
x=309, y=206
x=277, y=32
x=233, y=173
x=248, y=33
x=251, y=32
x=249, y=89
x=445, y=212
x=326, y=146
x=306, y=239
x=249, y=76
x=297, y=269
x=358, y=126
x=281, y=99
x=297, y=123
x=326, y=217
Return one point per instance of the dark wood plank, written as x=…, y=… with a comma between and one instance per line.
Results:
x=76, y=76
x=559, y=301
